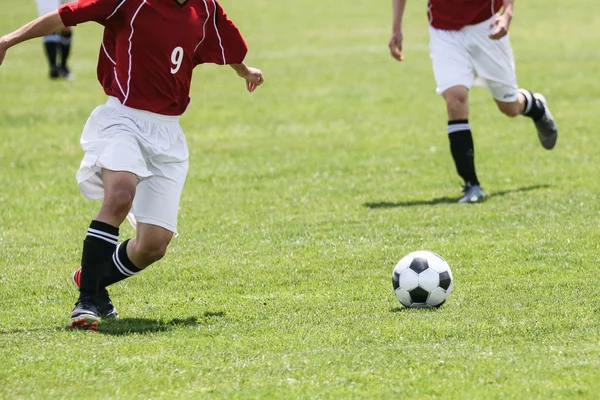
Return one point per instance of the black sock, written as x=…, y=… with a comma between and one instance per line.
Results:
x=98, y=247
x=121, y=266
x=534, y=108
x=463, y=152
x=65, y=47
x=51, y=45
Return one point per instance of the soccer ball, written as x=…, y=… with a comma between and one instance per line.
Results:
x=422, y=279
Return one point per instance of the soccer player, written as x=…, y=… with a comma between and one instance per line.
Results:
x=136, y=156
x=57, y=44
x=469, y=44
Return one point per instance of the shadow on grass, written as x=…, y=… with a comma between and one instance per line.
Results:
x=128, y=326
x=448, y=200
x=406, y=309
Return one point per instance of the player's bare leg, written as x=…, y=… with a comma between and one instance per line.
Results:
x=99, y=247
x=149, y=245
x=533, y=105
x=461, y=142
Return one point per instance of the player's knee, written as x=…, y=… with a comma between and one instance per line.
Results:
x=118, y=201
x=457, y=102
x=152, y=252
x=457, y=107
x=509, y=109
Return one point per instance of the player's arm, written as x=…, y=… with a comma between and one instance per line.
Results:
x=501, y=23
x=396, y=39
x=253, y=76
x=42, y=26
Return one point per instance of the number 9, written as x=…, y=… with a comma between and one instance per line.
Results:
x=176, y=59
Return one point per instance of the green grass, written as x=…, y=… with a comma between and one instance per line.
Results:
x=300, y=200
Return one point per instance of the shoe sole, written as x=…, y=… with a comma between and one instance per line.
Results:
x=478, y=200
x=85, y=322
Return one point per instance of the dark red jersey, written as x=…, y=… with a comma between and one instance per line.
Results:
x=150, y=47
x=456, y=14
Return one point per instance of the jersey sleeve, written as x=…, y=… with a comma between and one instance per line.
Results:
x=222, y=43
x=82, y=11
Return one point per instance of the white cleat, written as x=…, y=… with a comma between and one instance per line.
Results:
x=472, y=194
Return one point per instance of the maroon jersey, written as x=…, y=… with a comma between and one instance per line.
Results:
x=453, y=15
x=150, y=47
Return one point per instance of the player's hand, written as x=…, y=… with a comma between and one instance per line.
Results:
x=254, y=78
x=396, y=45
x=499, y=26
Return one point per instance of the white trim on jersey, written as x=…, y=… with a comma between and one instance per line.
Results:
x=219, y=36
x=429, y=8
x=106, y=52
x=116, y=8
x=203, y=26
x=129, y=51
x=119, y=83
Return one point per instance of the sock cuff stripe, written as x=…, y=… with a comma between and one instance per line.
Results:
x=528, y=98
x=102, y=233
x=458, y=121
x=111, y=241
x=120, y=267
x=458, y=127
x=53, y=38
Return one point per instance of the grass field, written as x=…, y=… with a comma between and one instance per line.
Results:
x=300, y=199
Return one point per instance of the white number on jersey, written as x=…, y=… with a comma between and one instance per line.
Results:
x=176, y=59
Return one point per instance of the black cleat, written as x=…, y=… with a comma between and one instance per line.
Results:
x=54, y=72
x=85, y=314
x=106, y=308
x=546, y=126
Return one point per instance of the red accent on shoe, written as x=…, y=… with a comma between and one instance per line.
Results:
x=77, y=277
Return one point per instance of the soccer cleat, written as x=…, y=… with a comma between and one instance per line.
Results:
x=66, y=73
x=546, y=126
x=54, y=72
x=85, y=314
x=472, y=194
x=106, y=308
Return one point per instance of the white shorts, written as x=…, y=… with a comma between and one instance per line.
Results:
x=47, y=6
x=149, y=145
x=468, y=56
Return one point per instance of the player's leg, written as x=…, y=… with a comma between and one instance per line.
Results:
x=112, y=167
x=534, y=106
x=454, y=76
x=100, y=245
x=494, y=62
x=66, y=36
x=461, y=142
x=51, y=42
x=156, y=208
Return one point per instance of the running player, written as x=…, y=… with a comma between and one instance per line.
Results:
x=57, y=44
x=136, y=156
x=469, y=44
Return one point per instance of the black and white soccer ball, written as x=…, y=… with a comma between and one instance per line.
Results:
x=422, y=279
